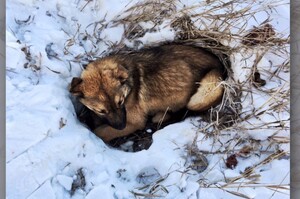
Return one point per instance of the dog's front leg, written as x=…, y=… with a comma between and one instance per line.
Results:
x=107, y=133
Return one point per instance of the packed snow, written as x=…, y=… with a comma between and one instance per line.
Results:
x=50, y=154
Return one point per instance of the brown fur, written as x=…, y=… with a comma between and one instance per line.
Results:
x=126, y=89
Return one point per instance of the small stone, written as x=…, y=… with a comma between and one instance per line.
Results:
x=231, y=162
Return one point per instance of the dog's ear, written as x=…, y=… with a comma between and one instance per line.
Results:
x=122, y=73
x=75, y=86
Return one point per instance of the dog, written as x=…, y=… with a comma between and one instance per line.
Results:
x=128, y=88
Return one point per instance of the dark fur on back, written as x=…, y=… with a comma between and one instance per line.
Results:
x=156, y=59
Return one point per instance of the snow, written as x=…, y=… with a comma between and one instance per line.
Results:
x=101, y=190
x=43, y=158
x=44, y=191
x=65, y=181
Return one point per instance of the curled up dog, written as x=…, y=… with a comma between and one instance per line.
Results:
x=127, y=89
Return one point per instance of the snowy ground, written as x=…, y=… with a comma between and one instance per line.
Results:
x=50, y=154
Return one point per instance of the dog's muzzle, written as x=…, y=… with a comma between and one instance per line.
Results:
x=119, y=121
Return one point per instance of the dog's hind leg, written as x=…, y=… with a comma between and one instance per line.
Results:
x=209, y=93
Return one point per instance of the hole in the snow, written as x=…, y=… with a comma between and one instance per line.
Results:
x=226, y=113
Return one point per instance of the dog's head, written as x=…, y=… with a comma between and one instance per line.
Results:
x=103, y=88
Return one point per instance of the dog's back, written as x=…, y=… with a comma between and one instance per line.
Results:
x=167, y=76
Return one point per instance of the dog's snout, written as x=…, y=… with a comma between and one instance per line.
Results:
x=119, y=126
x=119, y=119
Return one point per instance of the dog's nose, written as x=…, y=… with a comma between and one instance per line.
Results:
x=119, y=126
x=119, y=121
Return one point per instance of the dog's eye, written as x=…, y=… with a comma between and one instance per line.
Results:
x=121, y=101
x=122, y=81
x=99, y=111
x=102, y=111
